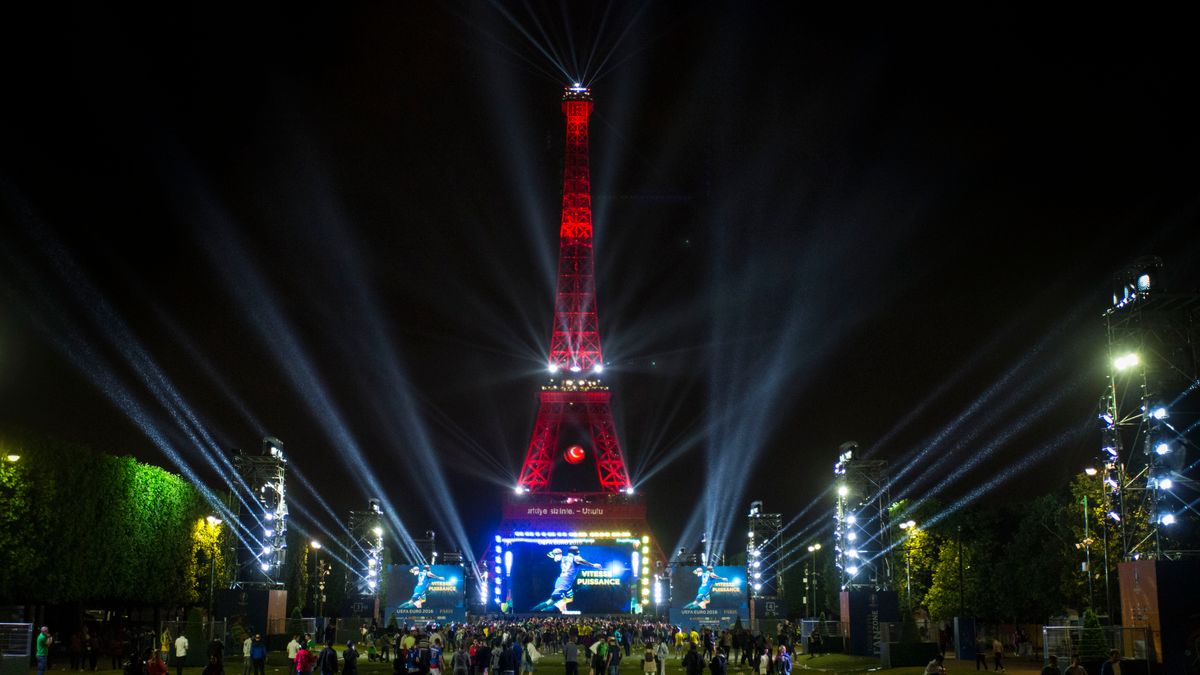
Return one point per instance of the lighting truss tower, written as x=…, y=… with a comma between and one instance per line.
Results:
x=1150, y=412
x=575, y=393
x=764, y=568
x=366, y=549
x=260, y=561
x=861, y=536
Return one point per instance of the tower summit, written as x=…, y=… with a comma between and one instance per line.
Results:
x=575, y=355
x=575, y=337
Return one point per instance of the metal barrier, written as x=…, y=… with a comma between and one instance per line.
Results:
x=200, y=636
x=16, y=639
x=1067, y=641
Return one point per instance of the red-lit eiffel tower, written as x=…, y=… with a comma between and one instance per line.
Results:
x=576, y=392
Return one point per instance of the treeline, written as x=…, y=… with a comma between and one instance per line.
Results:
x=78, y=525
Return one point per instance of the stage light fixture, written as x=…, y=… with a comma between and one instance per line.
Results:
x=1159, y=413
x=850, y=519
x=553, y=368
x=1091, y=471
x=851, y=536
x=852, y=570
x=597, y=368
x=378, y=531
x=758, y=587
x=1126, y=361
x=575, y=369
x=629, y=490
x=269, y=533
x=1115, y=516
x=1110, y=450
x=265, y=567
x=843, y=490
x=1162, y=448
x=1166, y=483
x=1167, y=519
x=213, y=520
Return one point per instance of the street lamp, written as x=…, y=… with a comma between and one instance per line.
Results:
x=812, y=566
x=213, y=522
x=13, y=458
x=908, y=525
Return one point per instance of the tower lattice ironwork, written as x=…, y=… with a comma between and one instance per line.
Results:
x=575, y=392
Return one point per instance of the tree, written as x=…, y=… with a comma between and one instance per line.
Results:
x=1040, y=563
x=943, y=596
x=1092, y=646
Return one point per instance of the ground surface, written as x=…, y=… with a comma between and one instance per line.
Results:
x=551, y=664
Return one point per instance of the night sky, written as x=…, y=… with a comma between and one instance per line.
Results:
x=339, y=225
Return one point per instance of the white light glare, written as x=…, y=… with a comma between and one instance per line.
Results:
x=1125, y=361
x=265, y=567
x=378, y=531
x=1167, y=519
x=843, y=491
x=1159, y=413
x=1162, y=448
x=629, y=490
x=519, y=489
x=852, y=536
x=851, y=519
x=1166, y=484
x=598, y=368
x=852, y=570
x=1091, y=471
x=553, y=368
x=575, y=369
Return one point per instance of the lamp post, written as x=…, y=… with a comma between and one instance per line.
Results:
x=813, y=549
x=908, y=525
x=213, y=523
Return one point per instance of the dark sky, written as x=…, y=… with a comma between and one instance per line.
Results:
x=337, y=225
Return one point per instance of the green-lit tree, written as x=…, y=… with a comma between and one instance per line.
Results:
x=943, y=598
x=1092, y=646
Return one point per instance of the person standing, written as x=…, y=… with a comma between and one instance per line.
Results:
x=783, y=662
x=719, y=664
x=327, y=660
x=181, y=648
x=662, y=653
x=612, y=665
x=571, y=656
x=1051, y=668
x=1113, y=665
x=649, y=660
x=302, y=658
x=692, y=663
x=508, y=659
x=765, y=665
x=350, y=660
x=246, y=645
x=43, y=649
x=155, y=665
x=258, y=655
x=1075, y=668
x=292, y=648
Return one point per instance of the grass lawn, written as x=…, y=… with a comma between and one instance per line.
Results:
x=552, y=664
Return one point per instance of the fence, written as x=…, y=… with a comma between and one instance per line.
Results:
x=291, y=627
x=1067, y=641
x=15, y=641
x=200, y=637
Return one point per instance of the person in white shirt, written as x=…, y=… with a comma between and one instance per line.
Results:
x=246, y=655
x=181, y=647
x=293, y=647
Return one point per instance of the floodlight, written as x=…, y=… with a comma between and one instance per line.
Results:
x=852, y=536
x=213, y=520
x=629, y=490
x=316, y=544
x=1091, y=471
x=1126, y=361
x=843, y=491
x=553, y=368
x=1162, y=448
x=1167, y=519
x=1159, y=413
x=265, y=567
x=378, y=531
x=598, y=368
x=13, y=458
x=1166, y=483
x=851, y=520
x=852, y=570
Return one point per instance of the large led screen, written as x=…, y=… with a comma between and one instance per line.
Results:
x=709, y=596
x=425, y=593
x=553, y=578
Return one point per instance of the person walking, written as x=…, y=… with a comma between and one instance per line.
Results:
x=258, y=655
x=662, y=653
x=997, y=655
x=783, y=662
x=181, y=648
x=612, y=665
x=42, y=650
